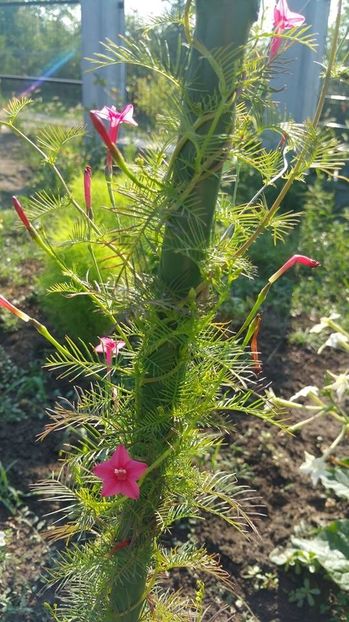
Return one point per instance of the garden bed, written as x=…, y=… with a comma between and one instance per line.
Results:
x=264, y=458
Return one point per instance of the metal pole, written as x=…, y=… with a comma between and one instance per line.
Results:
x=101, y=20
x=300, y=84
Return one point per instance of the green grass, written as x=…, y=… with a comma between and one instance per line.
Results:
x=16, y=248
x=23, y=391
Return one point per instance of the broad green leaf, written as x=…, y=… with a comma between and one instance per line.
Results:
x=337, y=480
x=329, y=548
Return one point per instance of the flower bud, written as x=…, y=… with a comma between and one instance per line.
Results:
x=10, y=307
x=306, y=261
x=87, y=190
x=21, y=213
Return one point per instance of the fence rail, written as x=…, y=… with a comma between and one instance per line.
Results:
x=42, y=79
x=38, y=3
x=337, y=98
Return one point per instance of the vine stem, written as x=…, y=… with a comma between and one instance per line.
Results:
x=336, y=442
x=186, y=21
x=91, y=226
x=301, y=424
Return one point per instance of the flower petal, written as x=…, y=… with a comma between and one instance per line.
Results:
x=135, y=469
x=102, y=114
x=104, y=469
x=119, y=346
x=127, y=115
x=120, y=457
x=111, y=488
x=130, y=489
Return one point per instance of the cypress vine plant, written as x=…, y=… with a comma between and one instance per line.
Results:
x=192, y=190
x=165, y=386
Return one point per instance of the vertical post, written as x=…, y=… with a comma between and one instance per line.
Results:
x=300, y=84
x=101, y=20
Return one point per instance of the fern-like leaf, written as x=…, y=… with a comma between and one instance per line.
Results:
x=52, y=139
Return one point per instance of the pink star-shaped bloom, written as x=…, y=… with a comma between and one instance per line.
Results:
x=120, y=474
x=115, y=118
x=306, y=261
x=284, y=19
x=110, y=348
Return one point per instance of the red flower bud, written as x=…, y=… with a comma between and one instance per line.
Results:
x=20, y=211
x=254, y=345
x=87, y=190
x=10, y=307
x=119, y=546
x=306, y=261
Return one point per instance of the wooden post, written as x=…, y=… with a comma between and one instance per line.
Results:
x=101, y=20
x=300, y=83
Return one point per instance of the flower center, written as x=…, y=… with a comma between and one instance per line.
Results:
x=120, y=474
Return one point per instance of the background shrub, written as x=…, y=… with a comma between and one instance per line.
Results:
x=78, y=315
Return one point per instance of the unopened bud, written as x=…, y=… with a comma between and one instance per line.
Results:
x=12, y=309
x=306, y=261
x=21, y=213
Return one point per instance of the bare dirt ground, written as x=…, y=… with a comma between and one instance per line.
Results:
x=14, y=173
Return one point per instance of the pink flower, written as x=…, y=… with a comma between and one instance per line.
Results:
x=110, y=348
x=115, y=119
x=306, y=261
x=21, y=213
x=10, y=307
x=120, y=474
x=284, y=19
x=87, y=190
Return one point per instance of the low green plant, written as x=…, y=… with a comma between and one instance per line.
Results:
x=336, y=479
x=328, y=401
x=10, y=497
x=304, y=594
x=323, y=552
x=2, y=549
x=324, y=231
x=16, y=251
x=260, y=580
x=326, y=548
x=319, y=562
